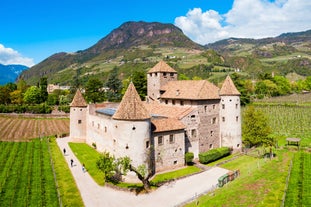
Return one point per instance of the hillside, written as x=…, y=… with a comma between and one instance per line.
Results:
x=140, y=45
x=9, y=73
x=289, y=52
x=125, y=44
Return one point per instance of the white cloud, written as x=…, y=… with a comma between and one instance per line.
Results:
x=247, y=19
x=10, y=56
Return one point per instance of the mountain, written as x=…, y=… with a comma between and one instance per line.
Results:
x=129, y=40
x=284, y=54
x=9, y=73
x=138, y=46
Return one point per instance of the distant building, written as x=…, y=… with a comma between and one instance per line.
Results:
x=52, y=87
x=178, y=116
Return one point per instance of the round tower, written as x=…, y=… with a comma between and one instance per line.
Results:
x=78, y=119
x=230, y=116
x=157, y=77
x=132, y=129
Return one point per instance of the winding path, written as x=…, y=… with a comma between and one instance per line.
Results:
x=172, y=194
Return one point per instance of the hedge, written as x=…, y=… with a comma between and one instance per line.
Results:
x=189, y=157
x=35, y=109
x=213, y=155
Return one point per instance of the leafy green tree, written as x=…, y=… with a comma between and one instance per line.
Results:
x=183, y=77
x=255, y=127
x=5, y=95
x=266, y=88
x=32, y=95
x=139, y=80
x=93, y=90
x=22, y=85
x=114, y=85
x=43, y=85
x=105, y=163
x=283, y=85
x=16, y=97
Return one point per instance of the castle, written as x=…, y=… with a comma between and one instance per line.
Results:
x=178, y=116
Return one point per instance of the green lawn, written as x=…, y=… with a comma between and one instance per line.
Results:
x=69, y=191
x=88, y=156
x=261, y=183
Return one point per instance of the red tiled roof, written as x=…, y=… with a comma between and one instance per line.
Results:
x=131, y=107
x=228, y=88
x=190, y=90
x=78, y=100
x=167, y=124
x=162, y=67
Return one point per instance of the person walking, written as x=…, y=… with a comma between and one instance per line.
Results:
x=83, y=167
x=64, y=150
x=71, y=162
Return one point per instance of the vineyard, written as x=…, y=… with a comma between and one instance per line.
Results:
x=299, y=191
x=21, y=128
x=289, y=121
x=26, y=176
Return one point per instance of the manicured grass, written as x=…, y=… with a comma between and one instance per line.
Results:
x=163, y=177
x=262, y=183
x=68, y=189
x=88, y=156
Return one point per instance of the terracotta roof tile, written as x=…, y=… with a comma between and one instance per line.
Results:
x=162, y=67
x=228, y=88
x=190, y=90
x=167, y=124
x=131, y=107
x=78, y=100
x=168, y=111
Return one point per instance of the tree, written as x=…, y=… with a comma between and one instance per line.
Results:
x=32, y=95
x=114, y=168
x=114, y=85
x=140, y=82
x=255, y=128
x=43, y=85
x=93, y=90
x=105, y=163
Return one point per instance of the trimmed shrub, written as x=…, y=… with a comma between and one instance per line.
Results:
x=214, y=154
x=189, y=157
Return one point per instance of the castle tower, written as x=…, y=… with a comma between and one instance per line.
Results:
x=230, y=116
x=78, y=111
x=157, y=77
x=132, y=129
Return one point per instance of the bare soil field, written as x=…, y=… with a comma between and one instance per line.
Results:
x=17, y=127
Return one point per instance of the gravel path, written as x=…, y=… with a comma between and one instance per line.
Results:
x=172, y=194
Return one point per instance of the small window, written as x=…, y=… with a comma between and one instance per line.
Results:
x=166, y=101
x=79, y=121
x=160, y=140
x=181, y=103
x=164, y=74
x=223, y=106
x=211, y=146
x=236, y=118
x=175, y=162
x=236, y=106
x=80, y=109
x=205, y=108
x=238, y=145
x=172, y=140
x=223, y=119
x=105, y=129
x=192, y=116
x=193, y=133
x=212, y=133
x=171, y=74
x=173, y=102
x=214, y=120
x=214, y=106
x=156, y=74
x=147, y=144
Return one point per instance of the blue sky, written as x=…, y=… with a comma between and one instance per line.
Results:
x=33, y=30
